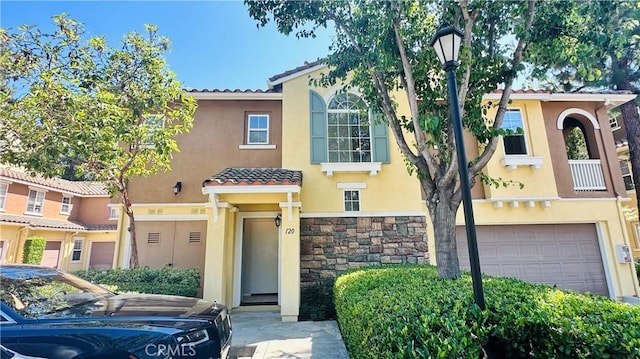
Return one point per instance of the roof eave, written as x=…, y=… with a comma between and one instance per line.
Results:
x=610, y=100
x=53, y=189
x=295, y=75
x=216, y=189
x=205, y=95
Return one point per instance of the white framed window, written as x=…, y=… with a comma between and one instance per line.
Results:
x=514, y=144
x=351, y=200
x=35, y=202
x=113, y=213
x=76, y=254
x=152, y=124
x=65, y=206
x=348, y=129
x=637, y=228
x=258, y=129
x=4, y=188
x=613, y=122
x=627, y=176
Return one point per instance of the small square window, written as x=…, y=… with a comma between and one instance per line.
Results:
x=76, y=255
x=65, y=207
x=514, y=144
x=613, y=122
x=258, y=129
x=352, y=201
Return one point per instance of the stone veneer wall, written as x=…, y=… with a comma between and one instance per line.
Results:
x=329, y=246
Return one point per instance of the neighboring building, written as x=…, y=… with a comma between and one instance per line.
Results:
x=75, y=218
x=631, y=207
x=275, y=190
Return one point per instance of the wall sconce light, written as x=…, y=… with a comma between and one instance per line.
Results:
x=177, y=188
x=278, y=220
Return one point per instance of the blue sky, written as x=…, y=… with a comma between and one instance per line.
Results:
x=215, y=44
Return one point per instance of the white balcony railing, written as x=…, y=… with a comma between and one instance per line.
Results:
x=587, y=175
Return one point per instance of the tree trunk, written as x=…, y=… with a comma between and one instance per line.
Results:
x=631, y=119
x=632, y=125
x=133, y=259
x=443, y=217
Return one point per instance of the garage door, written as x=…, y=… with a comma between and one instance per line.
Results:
x=101, y=256
x=566, y=255
x=51, y=254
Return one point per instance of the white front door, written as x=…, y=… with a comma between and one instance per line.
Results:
x=261, y=253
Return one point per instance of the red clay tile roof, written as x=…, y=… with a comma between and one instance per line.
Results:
x=307, y=65
x=581, y=92
x=81, y=188
x=248, y=91
x=39, y=222
x=254, y=176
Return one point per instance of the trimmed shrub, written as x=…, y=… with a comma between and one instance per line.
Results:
x=408, y=312
x=166, y=280
x=316, y=302
x=33, y=250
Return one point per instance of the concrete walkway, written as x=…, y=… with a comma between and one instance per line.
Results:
x=261, y=335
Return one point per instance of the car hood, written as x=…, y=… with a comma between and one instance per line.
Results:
x=148, y=306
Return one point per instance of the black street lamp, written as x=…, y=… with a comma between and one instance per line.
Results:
x=446, y=43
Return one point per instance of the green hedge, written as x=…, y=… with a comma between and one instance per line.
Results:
x=33, y=250
x=164, y=280
x=407, y=312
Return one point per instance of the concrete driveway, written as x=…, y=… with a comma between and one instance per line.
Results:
x=261, y=334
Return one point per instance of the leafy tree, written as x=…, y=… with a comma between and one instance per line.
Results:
x=112, y=113
x=595, y=45
x=576, y=145
x=383, y=48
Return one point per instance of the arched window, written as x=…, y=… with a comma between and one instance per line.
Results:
x=348, y=129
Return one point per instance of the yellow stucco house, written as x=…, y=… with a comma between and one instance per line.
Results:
x=76, y=219
x=630, y=207
x=277, y=189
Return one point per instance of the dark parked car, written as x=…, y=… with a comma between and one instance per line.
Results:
x=48, y=313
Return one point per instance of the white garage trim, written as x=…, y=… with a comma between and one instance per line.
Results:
x=605, y=261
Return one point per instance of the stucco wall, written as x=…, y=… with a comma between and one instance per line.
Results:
x=211, y=146
x=601, y=141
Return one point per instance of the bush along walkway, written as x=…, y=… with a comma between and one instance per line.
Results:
x=408, y=312
x=166, y=280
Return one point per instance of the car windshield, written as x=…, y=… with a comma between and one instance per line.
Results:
x=35, y=292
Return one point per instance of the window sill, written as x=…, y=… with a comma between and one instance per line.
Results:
x=372, y=167
x=65, y=213
x=257, y=147
x=33, y=214
x=521, y=160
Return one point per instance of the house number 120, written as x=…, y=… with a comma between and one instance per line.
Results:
x=289, y=231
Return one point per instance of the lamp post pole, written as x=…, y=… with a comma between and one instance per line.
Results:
x=446, y=43
x=465, y=188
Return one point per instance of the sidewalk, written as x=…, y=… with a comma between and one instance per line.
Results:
x=261, y=335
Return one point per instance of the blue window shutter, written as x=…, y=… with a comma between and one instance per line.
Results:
x=318, y=115
x=380, y=139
